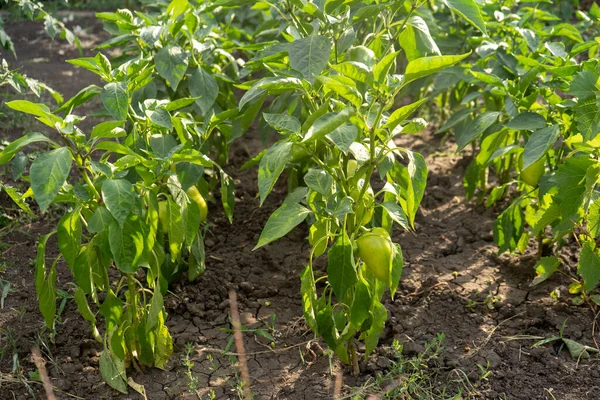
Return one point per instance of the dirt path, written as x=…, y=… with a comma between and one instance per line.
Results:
x=453, y=284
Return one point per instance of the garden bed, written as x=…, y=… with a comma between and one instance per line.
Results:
x=453, y=284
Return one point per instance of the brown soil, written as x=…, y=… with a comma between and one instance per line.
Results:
x=453, y=283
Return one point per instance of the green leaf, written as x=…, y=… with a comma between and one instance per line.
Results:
x=309, y=55
x=539, y=143
x=176, y=229
x=162, y=145
x=508, y=229
x=119, y=198
x=283, y=123
x=126, y=244
x=108, y=129
x=161, y=117
x=424, y=66
x=319, y=181
x=341, y=272
x=204, y=86
x=589, y=266
x=112, y=310
x=13, y=148
x=544, y=268
x=593, y=219
x=396, y=214
x=39, y=110
x=115, y=98
x=69, y=237
x=270, y=167
x=48, y=173
x=164, y=344
x=475, y=128
x=527, y=120
x=376, y=329
x=45, y=283
x=345, y=91
x=227, y=195
x=309, y=297
x=343, y=137
x=281, y=222
x=171, y=63
x=361, y=305
x=470, y=11
x=397, y=267
x=83, y=306
x=329, y=122
x=402, y=113
x=197, y=260
x=416, y=40
x=112, y=370
x=81, y=97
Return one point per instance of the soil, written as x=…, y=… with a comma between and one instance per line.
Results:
x=453, y=283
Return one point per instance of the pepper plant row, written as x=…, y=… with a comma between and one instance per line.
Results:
x=327, y=78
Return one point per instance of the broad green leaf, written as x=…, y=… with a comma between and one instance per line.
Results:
x=539, y=143
x=164, y=344
x=204, y=86
x=361, y=305
x=111, y=309
x=281, y=222
x=115, y=98
x=397, y=214
x=81, y=97
x=341, y=271
x=403, y=113
x=112, y=370
x=328, y=123
x=424, y=66
x=527, y=121
x=39, y=110
x=14, y=147
x=382, y=68
x=397, y=267
x=309, y=55
x=345, y=91
x=309, y=297
x=416, y=40
x=176, y=229
x=156, y=308
x=319, y=180
x=588, y=118
x=176, y=8
x=570, y=180
x=354, y=70
x=119, y=198
x=470, y=11
x=283, y=123
x=593, y=219
x=475, y=128
x=271, y=166
x=108, y=129
x=171, y=63
x=48, y=173
x=376, y=329
x=45, y=283
x=343, y=137
x=126, y=244
x=544, y=268
x=161, y=117
x=69, y=237
x=197, y=260
x=508, y=229
x=589, y=266
x=162, y=145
